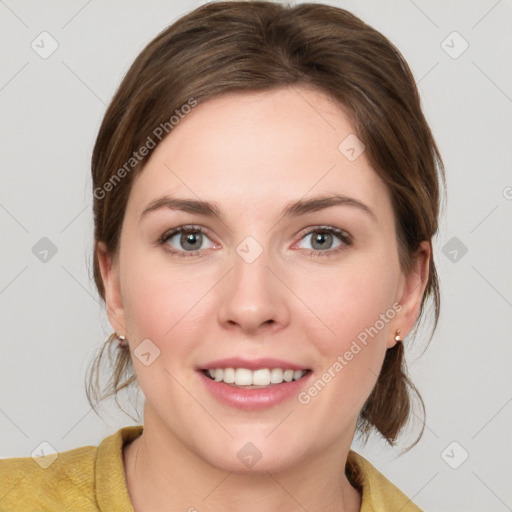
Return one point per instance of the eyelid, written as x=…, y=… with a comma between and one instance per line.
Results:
x=179, y=229
x=345, y=241
x=170, y=233
x=344, y=235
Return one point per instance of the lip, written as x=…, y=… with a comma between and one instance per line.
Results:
x=252, y=364
x=253, y=399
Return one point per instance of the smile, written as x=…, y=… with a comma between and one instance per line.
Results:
x=253, y=379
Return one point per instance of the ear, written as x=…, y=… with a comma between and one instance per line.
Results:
x=110, y=275
x=411, y=290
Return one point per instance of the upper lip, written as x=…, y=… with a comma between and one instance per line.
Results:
x=252, y=364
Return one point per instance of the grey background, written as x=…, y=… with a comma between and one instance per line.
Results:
x=53, y=323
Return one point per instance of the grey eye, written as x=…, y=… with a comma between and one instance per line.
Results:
x=188, y=240
x=321, y=240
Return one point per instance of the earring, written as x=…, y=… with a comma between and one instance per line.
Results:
x=397, y=336
x=123, y=342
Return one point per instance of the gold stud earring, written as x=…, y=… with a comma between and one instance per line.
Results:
x=123, y=342
x=397, y=336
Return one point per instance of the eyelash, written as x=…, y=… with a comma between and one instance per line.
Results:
x=182, y=229
x=345, y=238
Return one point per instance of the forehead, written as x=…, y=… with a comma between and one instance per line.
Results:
x=259, y=149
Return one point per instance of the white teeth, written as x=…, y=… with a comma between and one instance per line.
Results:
x=229, y=375
x=243, y=377
x=276, y=376
x=260, y=377
x=288, y=375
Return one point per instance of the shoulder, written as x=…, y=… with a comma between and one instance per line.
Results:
x=49, y=482
x=378, y=493
x=86, y=479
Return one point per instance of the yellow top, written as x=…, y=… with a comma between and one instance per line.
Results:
x=92, y=478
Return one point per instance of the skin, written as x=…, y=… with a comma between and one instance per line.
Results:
x=252, y=154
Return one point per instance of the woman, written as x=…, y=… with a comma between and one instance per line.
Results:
x=266, y=190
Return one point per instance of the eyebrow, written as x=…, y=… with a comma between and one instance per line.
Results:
x=185, y=205
x=294, y=209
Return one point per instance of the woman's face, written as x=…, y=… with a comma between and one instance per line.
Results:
x=289, y=262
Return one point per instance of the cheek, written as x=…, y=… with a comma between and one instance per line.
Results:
x=357, y=307
x=160, y=299
x=165, y=304
x=350, y=299
x=353, y=307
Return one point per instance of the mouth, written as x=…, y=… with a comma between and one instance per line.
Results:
x=260, y=378
x=253, y=384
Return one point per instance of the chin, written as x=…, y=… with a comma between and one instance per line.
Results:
x=259, y=456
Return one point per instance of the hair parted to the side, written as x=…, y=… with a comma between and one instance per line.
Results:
x=240, y=46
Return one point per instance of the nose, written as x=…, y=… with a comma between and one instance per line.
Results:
x=253, y=299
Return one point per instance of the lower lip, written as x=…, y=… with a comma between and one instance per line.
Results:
x=253, y=399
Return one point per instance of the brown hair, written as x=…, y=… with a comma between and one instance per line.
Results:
x=242, y=46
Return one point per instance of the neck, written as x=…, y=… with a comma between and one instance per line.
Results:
x=163, y=475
